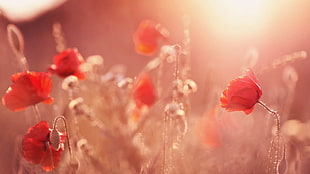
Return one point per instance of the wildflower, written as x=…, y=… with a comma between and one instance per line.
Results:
x=147, y=37
x=67, y=63
x=209, y=129
x=144, y=92
x=37, y=148
x=28, y=88
x=242, y=93
x=136, y=113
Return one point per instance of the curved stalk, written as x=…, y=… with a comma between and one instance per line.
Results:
x=66, y=129
x=275, y=143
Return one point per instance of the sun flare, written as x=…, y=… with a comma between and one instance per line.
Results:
x=238, y=15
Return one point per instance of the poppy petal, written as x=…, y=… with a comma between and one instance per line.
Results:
x=37, y=148
x=144, y=92
x=28, y=88
x=147, y=37
x=68, y=63
x=32, y=145
x=242, y=93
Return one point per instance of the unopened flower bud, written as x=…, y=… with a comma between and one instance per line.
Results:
x=290, y=76
x=55, y=139
x=95, y=60
x=189, y=86
x=69, y=82
x=77, y=106
x=125, y=83
x=174, y=110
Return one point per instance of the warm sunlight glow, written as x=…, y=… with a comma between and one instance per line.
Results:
x=238, y=15
x=23, y=10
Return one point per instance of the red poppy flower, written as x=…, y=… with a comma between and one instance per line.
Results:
x=136, y=113
x=208, y=128
x=28, y=88
x=67, y=63
x=242, y=93
x=144, y=92
x=147, y=37
x=37, y=148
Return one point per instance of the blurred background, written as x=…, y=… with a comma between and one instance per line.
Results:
x=223, y=33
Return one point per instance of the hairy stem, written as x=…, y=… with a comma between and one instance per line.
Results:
x=51, y=155
x=275, y=143
x=16, y=41
x=37, y=113
x=275, y=114
x=59, y=37
x=66, y=129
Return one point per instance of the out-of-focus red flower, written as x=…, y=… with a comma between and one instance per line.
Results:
x=68, y=63
x=136, y=113
x=144, y=92
x=147, y=37
x=209, y=128
x=28, y=88
x=37, y=148
x=242, y=93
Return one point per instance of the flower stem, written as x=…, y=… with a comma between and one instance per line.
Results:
x=51, y=155
x=274, y=113
x=186, y=45
x=16, y=41
x=275, y=143
x=59, y=37
x=66, y=129
x=37, y=113
x=285, y=60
